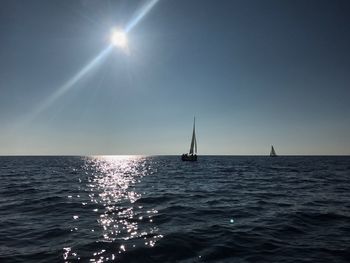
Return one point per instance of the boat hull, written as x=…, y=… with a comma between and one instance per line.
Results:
x=189, y=158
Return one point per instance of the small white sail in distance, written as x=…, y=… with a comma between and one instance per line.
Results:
x=273, y=152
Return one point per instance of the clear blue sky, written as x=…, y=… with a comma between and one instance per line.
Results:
x=254, y=73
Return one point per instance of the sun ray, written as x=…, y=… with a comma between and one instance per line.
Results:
x=118, y=38
x=140, y=14
x=70, y=83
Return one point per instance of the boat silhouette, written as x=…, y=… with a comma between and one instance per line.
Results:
x=192, y=155
x=273, y=152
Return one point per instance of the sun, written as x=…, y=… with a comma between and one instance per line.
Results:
x=119, y=39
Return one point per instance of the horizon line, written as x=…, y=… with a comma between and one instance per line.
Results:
x=155, y=155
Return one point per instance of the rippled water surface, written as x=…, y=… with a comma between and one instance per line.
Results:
x=160, y=209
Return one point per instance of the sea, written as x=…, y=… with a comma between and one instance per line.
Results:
x=160, y=209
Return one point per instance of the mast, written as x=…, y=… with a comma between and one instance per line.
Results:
x=195, y=144
x=193, y=141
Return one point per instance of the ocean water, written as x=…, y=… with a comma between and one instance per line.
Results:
x=160, y=209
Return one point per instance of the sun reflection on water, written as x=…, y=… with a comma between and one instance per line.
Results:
x=122, y=222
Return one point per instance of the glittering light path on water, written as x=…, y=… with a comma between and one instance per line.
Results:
x=121, y=221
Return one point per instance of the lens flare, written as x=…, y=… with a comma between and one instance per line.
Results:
x=118, y=38
x=71, y=82
x=140, y=14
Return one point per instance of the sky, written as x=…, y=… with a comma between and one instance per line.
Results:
x=254, y=73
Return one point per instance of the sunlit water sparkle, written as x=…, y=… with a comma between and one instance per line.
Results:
x=160, y=209
x=110, y=185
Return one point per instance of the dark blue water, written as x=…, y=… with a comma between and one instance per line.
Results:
x=159, y=209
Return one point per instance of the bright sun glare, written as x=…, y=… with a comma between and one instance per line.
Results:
x=119, y=39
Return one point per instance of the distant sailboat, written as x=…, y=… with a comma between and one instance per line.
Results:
x=272, y=153
x=192, y=155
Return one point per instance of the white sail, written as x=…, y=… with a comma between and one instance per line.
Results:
x=192, y=155
x=272, y=153
x=193, y=141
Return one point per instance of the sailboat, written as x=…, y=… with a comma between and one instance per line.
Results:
x=192, y=155
x=272, y=152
